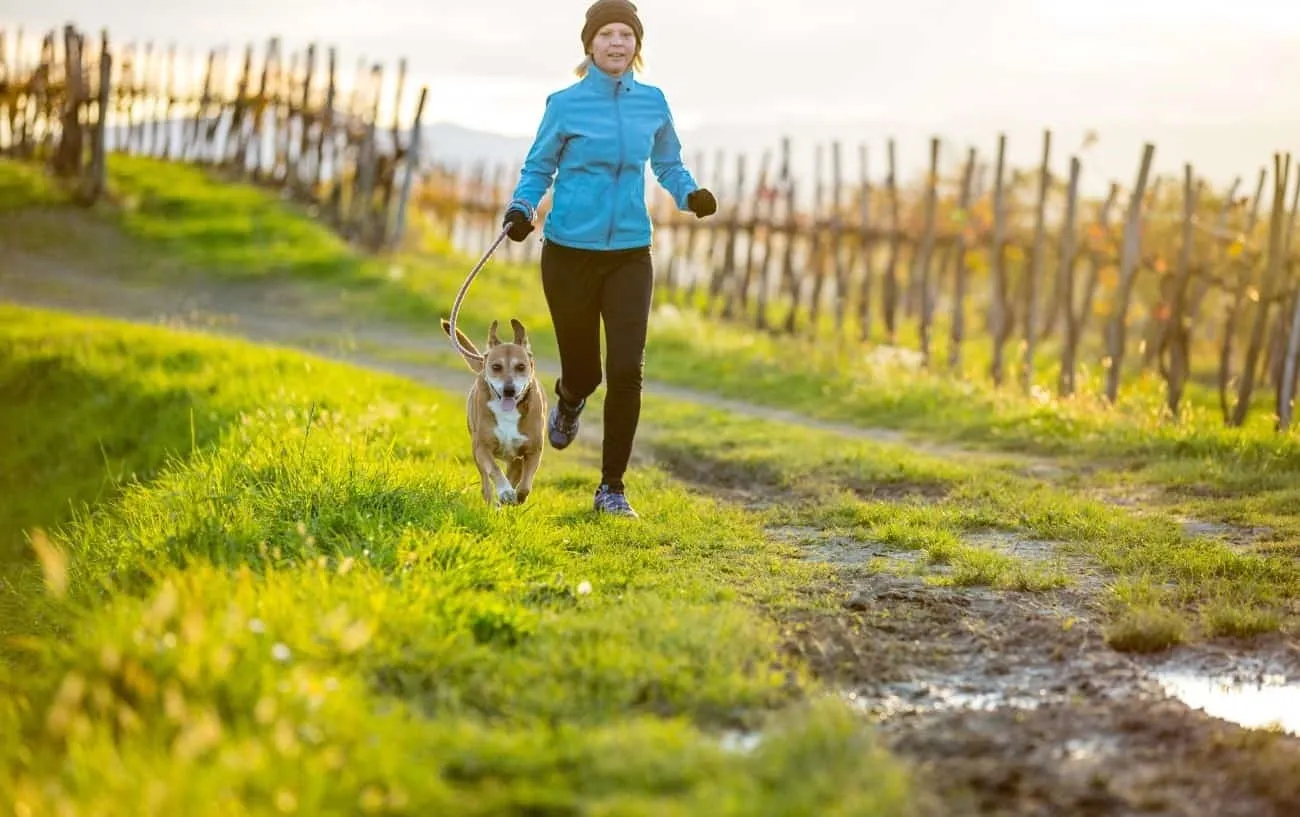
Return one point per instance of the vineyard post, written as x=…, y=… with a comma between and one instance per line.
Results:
x=1115, y=331
x=1272, y=279
x=958, y=328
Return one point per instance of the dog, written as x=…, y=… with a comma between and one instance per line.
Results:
x=505, y=413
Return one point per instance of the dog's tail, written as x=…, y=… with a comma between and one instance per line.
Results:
x=464, y=343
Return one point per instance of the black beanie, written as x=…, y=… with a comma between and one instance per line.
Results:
x=603, y=12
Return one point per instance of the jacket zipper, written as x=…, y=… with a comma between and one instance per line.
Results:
x=618, y=170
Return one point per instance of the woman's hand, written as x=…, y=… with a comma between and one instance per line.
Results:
x=517, y=224
x=702, y=203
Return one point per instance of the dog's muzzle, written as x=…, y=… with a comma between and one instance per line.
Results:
x=510, y=396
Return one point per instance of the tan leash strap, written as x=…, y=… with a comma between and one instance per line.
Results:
x=460, y=297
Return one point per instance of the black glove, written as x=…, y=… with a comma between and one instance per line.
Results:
x=702, y=203
x=518, y=224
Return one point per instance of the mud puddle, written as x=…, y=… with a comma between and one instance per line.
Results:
x=1011, y=703
x=1254, y=691
x=1149, y=501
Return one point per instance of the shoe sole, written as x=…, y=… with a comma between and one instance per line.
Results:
x=562, y=443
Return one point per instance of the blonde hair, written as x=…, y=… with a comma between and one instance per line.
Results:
x=637, y=65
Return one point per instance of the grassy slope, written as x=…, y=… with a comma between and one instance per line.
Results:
x=1245, y=476
x=318, y=613
x=87, y=410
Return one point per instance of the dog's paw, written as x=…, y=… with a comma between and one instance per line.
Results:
x=507, y=496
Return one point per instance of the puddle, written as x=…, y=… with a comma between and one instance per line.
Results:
x=913, y=699
x=1090, y=749
x=1264, y=702
x=1237, y=536
x=1015, y=544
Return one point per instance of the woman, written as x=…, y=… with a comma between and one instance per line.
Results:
x=594, y=140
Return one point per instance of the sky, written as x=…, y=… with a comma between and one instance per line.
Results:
x=1211, y=81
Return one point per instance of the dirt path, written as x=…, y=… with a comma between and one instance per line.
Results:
x=1010, y=703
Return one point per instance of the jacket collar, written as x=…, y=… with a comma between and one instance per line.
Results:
x=605, y=83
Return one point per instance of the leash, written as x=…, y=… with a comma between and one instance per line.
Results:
x=460, y=297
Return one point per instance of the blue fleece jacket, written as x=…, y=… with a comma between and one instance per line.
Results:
x=594, y=140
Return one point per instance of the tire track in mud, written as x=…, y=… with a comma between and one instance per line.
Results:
x=1011, y=702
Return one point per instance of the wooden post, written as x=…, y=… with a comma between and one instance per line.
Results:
x=1000, y=304
x=726, y=274
x=765, y=278
x=1038, y=271
x=8, y=84
x=326, y=134
x=1276, y=345
x=739, y=299
x=816, y=265
x=99, y=147
x=261, y=107
x=142, y=89
x=865, y=245
x=199, y=139
x=841, y=270
x=889, y=292
x=168, y=127
x=926, y=250
x=305, y=120
x=1286, y=390
x=1117, y=329
x=789, y=277
x=237, y=149
x=958, y=328
x=1066, y=384
x=412, y=167
x=1174, y=339
x=1272, y=279
x=68, y=155
x=710, y=235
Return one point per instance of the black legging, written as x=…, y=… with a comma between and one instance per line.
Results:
x=583, y=287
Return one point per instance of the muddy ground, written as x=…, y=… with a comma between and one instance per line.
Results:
x=1012, y=703
x=1009, y=703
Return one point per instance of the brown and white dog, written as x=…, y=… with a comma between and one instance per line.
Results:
x=505, y=413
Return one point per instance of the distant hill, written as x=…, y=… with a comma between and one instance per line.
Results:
x=449, y=143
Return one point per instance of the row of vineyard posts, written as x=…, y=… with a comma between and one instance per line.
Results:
x=1166, y=275
x=285, y=123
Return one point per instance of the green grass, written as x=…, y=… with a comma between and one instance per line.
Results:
x=184, y=219
x=24, y=186
x=87, y=410
x=314, y=611
x=1244, y=476
x=1163, y=586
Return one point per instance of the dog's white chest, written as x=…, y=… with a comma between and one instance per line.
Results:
x=507, y=429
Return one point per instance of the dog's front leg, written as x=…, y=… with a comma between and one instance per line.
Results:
x=515, y=473
x=492, y=477
x=531, y=460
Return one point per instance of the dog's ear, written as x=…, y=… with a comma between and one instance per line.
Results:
x=475, y=364
x=493, y=340
x=521, y=334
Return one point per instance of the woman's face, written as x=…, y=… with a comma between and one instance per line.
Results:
x=613, y=48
